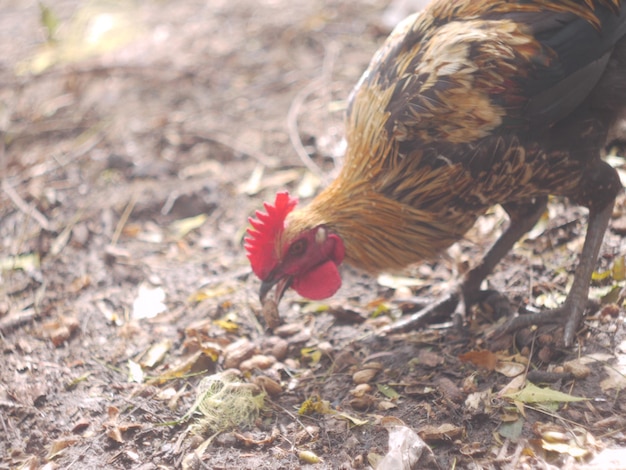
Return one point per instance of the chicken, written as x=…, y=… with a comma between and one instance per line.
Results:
x=468, y=104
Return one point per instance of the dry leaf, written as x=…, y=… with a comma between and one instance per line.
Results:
x=405, y=450
x=149, y=302
x=156, y=353
x=135, y=372
x=59, y=445
x=484, y=359
x=510, y=369
x=443, y=432
x=271, y=314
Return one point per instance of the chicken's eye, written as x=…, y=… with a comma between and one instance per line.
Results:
x=298, y=247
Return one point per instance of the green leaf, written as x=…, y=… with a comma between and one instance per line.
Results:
x=533, y=394
x=388, y=391
x=618, y=270
x=612, y=296
x=49, y=20
x=27, y=262
x=600, y=276
x=180, y=228
x=512, y=430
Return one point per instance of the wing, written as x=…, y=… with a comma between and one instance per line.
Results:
x=463, y=70
x=580, y=48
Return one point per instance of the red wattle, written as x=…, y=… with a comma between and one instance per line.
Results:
x=319, y=283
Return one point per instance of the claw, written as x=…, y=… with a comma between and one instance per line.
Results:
x=432, y=314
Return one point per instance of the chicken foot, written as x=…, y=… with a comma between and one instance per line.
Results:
x=523, y=217
x=598, y=190
x=572, y=310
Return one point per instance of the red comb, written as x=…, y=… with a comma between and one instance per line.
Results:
x=260, y=244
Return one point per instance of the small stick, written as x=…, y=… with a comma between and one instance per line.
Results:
x=240, y=147
x=294, y=133
x=23, y=206
x=294, y=111
x=123, y=219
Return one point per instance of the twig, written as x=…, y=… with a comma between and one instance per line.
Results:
x=4, y=426
x=240, y=147
x=16, y=320
x=123, y=219
x=90, y=137
x=23, y=206
x=294, y=417
x=294, y=111
x=294, y=133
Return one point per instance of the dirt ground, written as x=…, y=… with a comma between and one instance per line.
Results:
x=137, y=139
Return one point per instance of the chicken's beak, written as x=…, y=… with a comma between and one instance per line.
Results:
x=281, y=283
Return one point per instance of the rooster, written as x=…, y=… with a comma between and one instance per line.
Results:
x=467, y=104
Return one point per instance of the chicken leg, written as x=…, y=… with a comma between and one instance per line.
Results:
x=601, y=188
x=523, y=217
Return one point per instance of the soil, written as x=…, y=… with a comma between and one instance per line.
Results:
x=130, y=163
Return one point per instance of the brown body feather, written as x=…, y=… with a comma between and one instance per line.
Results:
x=469, y=104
